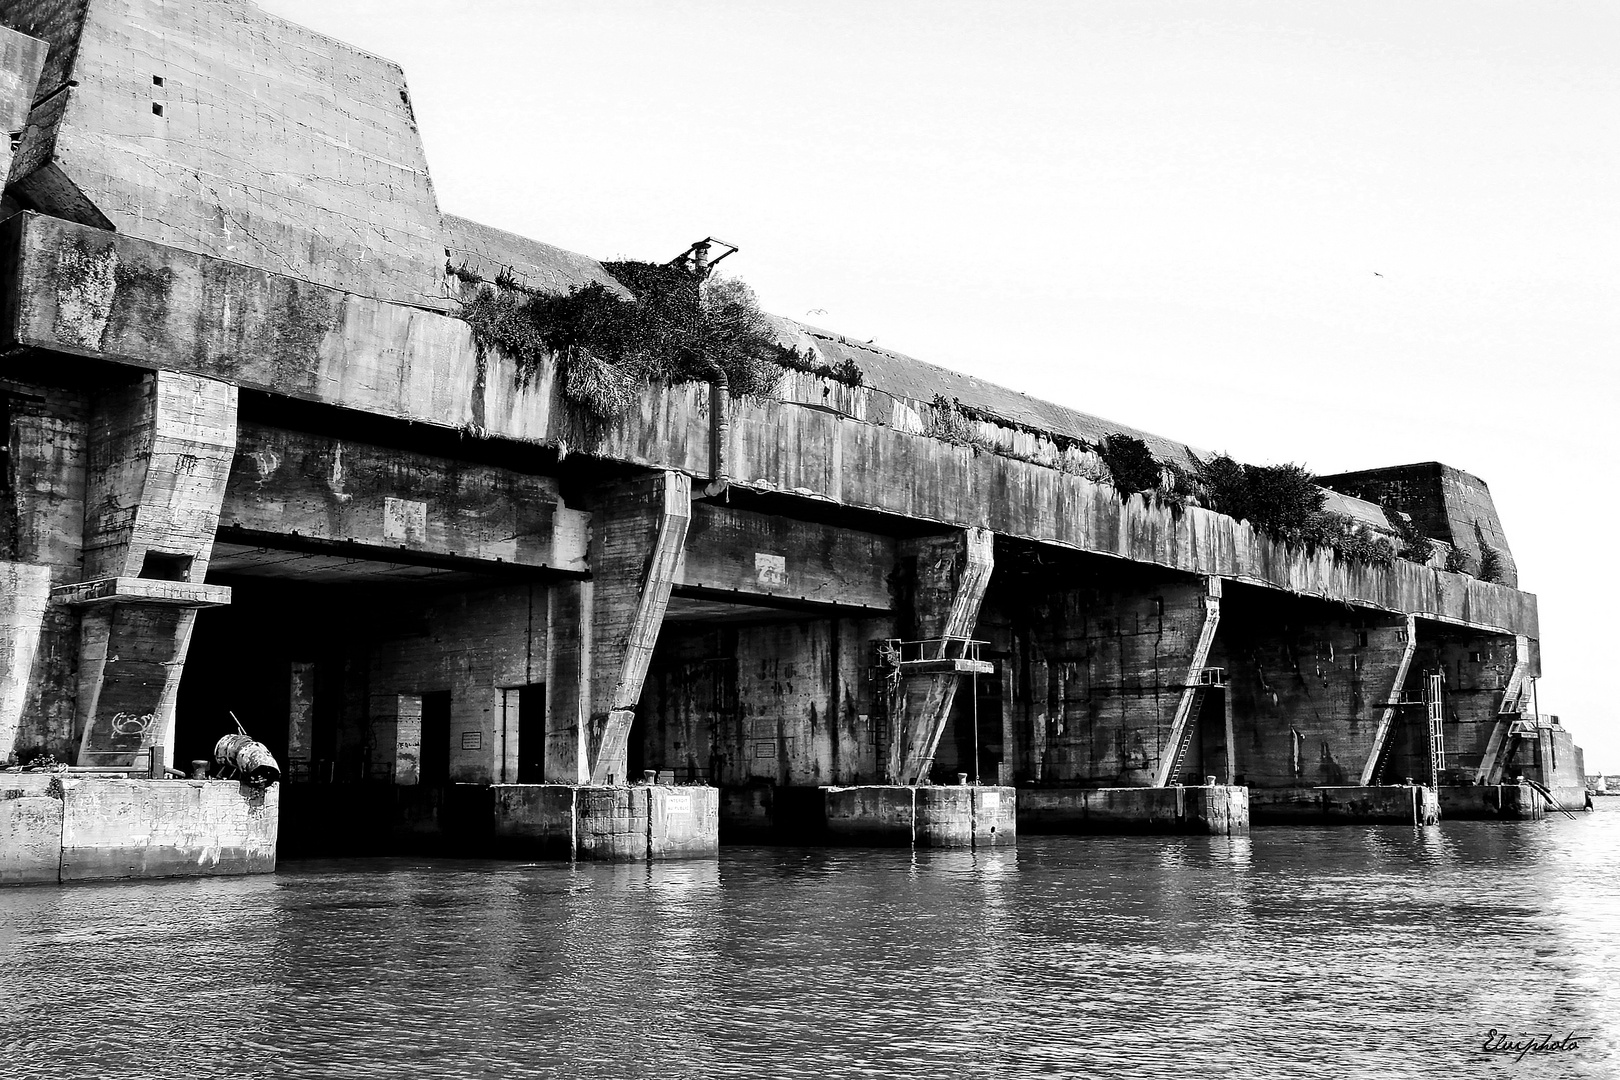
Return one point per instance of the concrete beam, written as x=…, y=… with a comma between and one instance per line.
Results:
x=748, y=554
x=951, y=576
x=637, y=536
x=324, y=488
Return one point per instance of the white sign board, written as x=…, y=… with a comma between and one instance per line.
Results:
x=770, y=569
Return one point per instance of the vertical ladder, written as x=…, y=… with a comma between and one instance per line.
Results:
x=1437, y=734
x=1188, y=733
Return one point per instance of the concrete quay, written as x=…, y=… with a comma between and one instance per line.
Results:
x=60, y=828
x=1393, y=804
x=1216, y=809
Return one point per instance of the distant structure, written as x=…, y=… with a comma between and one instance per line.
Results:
x=254, y=461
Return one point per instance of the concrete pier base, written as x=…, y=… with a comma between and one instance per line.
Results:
x=61, y=828
x=609, y=824
x=1395, y=804
x=893, y=815
x=1219, y=809
x=1492, y=802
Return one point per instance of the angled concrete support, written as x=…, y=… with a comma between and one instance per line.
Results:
x=160, y=453
x=25, y=591
x=1391, y=698
x=638, y=533
x=951, y=577
x=1192, y=684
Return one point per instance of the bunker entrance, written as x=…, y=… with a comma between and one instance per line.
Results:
x=361, y=671
x=744, y=694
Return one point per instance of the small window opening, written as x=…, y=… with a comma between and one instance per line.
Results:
x=162, y=566
x=157, y=110
x=157, y=80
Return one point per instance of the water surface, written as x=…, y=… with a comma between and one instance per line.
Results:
x=1345, y=952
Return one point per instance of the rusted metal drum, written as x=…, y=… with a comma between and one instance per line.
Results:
x=252, y=760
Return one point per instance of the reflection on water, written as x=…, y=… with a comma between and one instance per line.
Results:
x=1294, y=952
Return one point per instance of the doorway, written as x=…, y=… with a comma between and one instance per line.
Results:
x=531, y=733
x=435, y=752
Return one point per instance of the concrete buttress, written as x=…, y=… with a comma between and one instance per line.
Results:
x=638, y=533
x=160, y=452
x=951, y=576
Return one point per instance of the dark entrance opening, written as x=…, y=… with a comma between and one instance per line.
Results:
x=434, y=762
x=531, y=733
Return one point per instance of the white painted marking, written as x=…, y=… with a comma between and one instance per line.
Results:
x=404, y=519
x=770, y=569
x=989, y=800
x=678, y=804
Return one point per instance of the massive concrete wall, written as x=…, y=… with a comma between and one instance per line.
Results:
x=172, y=308
x=220, y=128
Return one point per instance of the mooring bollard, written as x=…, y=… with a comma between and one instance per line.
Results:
x=199, y=768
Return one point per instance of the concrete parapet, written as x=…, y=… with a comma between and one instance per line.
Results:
x=1492, y=802
x=892, y=815
x=1218, y=809
x=1393, y=804
x=83, y=828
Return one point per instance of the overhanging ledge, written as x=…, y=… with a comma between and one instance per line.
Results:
x=130, y=590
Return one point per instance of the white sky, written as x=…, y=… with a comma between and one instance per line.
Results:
x=1165, y=213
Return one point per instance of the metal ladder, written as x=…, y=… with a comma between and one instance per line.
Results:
x=1437, y=732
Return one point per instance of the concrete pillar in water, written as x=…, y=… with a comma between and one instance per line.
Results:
x=25, y=591
x=300, y=716
x=160, y=452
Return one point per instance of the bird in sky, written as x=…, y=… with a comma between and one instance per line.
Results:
x=1377, y=274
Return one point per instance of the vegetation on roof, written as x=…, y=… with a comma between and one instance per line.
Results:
x=677, y=326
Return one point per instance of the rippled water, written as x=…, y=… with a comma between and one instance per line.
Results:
x=1338, y=953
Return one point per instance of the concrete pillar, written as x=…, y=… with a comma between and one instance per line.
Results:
x=638, y=532
x=160, y=453
x=25, y=591
x=396, y=726
x=947, y=588
x=568, y=684
x=300, y=716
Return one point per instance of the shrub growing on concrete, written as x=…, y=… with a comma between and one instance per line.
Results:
x=1131, y=464
x=675, y=328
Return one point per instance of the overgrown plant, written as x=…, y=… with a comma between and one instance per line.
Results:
x=674, y=328
x=1457, y=561
x=950, y=423
x=1490, y=558
x=1131, y=465
x=1410, y=541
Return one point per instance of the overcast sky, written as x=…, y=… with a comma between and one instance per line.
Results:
x=1171, y=214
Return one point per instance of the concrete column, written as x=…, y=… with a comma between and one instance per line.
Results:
x=396, y=726
x=568, y=683
x=160, y=453
x=948, y=586
x=638, y=532
x=25, y=591
x=300, y=715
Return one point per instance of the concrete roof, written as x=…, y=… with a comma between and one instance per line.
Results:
x=488, y=251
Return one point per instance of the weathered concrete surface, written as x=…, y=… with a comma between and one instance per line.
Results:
x=949, y=576
x=25, y=591
x=79, y=828
x=891, y=815
x=1395, y=804
x=324, y=488
x=1492, y=802
x=30, y=828
x=225, y=129
x=22, y=59
x=638, y=532
x=412, y=364
x=746, y=554
x=1220, y=810
x=607, y=824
